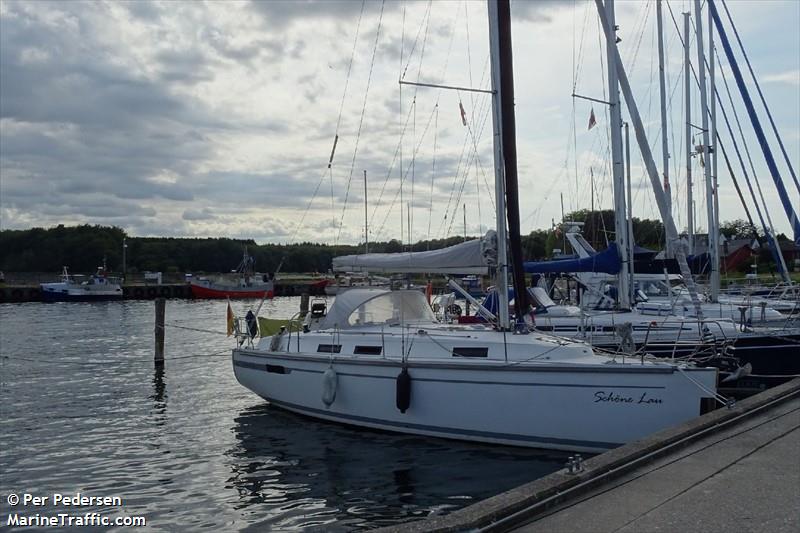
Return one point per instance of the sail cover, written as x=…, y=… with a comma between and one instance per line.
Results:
x=606, y=261
x=470, y=257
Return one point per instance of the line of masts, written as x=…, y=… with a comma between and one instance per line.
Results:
x=707, y=151
x=505, y=154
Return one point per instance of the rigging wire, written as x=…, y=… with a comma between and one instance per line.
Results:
x=467, y=136
x=732, y=134
x=474, y=157
x=402, y=137
x=398, y=150
x=427, y=21
x=472, y=107
x=746, y=149
x=336, y=137
x=405, y=174
x=361, y=120
x=761, y=95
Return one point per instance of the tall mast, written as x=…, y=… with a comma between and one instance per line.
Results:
x=366, y=223
x=509, y=140
x=620, y=225
x=687, y=70
x=663, y=93
x=788, y=207
x=715, y=281
x=630, y=203
x=711, y=215
x=649, y=163
x=499, y=170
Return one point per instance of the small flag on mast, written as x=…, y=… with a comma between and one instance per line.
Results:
x=463, y=114
x=592, y=120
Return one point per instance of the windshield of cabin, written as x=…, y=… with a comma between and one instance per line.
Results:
x=397, y=307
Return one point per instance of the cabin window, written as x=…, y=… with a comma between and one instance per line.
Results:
x=470, y=352
x=329, y=348
x=368, y=350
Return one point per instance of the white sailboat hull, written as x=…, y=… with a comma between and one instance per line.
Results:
x=575, y=407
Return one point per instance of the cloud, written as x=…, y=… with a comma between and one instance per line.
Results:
x=538, y=10
x=791, y=77
x=281, y=13
x=218, y=118
x=198, y=214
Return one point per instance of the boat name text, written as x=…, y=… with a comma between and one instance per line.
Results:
x=613, y=397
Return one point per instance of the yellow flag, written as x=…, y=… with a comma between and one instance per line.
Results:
x=229, y=316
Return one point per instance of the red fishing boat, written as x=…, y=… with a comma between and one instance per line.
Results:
x=246, y=284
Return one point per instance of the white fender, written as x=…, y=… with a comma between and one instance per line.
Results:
x=329, y=383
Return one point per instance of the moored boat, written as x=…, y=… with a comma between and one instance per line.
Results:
x=381, y=360
x=246, y=284
x=72, y=288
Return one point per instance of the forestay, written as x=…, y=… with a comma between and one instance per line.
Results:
x=470, y=257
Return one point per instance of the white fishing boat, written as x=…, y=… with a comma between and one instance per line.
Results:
x=379, y=359
x=75, y=288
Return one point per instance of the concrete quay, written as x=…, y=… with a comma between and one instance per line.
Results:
x=732, y=470
x=745, y=478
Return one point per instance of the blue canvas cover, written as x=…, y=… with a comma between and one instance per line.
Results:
x=606, y=261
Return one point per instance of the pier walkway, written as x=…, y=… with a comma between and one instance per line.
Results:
x=742, y=479
x=733, y=470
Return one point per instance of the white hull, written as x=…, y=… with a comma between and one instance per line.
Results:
x=753, y=314
x=73, y=291
x=600, y=329
x=585, y=402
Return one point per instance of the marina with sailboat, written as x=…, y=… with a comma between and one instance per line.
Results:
x=358, y=370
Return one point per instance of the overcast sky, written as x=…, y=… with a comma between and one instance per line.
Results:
x=218, y=118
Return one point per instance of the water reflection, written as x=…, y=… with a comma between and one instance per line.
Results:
x=189, y=448
x=345, y=478
x=159, y=389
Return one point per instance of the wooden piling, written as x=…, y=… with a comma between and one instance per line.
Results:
x=304, y=298
x=161, y=304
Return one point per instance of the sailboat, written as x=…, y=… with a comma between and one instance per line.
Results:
x=380, y=359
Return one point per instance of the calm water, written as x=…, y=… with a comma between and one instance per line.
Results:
x=82, y=409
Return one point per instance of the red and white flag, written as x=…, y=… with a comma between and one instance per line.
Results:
x=463, y=114
x=592, y=120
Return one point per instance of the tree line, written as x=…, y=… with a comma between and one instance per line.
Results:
x=84, y=248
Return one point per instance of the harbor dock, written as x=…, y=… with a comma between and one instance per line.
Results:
x=733, y=469
x=140, y=291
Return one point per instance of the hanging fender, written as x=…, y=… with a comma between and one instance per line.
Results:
x=403, y=398
x=329, y=382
